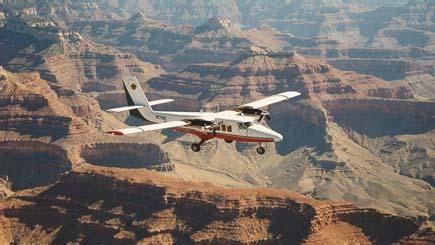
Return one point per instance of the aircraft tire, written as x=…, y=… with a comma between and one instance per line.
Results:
x=261, y=150
x=195, y=147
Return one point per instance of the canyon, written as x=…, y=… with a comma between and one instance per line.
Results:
x=357, y=157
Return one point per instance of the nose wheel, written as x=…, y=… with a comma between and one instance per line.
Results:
x=261, y=150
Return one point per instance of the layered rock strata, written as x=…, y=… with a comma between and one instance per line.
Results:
x=101, y=205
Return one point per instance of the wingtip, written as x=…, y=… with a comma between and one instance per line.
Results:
x=290, y=94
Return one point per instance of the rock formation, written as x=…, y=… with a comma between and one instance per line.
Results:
x=351, y=137
x=67, y=58
x=5, y=189
x=104, y=205
x=30, y=107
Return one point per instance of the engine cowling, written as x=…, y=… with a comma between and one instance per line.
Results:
x=256, y=112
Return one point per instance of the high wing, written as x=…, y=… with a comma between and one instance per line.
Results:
x=270, y=100
x=135, y=130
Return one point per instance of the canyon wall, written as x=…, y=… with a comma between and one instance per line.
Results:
x=95, y=204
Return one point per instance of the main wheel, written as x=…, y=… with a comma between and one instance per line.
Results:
x=195, y=147
x=261, y=150
x=228, y=141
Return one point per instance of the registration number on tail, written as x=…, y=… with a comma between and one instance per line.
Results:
x=159, y=117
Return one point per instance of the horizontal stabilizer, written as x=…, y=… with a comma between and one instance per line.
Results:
x=129, y=108
x=152, y=127
x=125, y=108
x=159, y=102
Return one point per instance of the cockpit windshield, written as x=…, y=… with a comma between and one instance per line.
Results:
x=244, y=125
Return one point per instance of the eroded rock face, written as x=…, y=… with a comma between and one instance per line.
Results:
x=193, y=13
x=398, y=117
x=261, y=71
x=5, y=188
x=249, y=74
x=107, y=205
x=66, y=10
x=401, y=150
x=386, y=69
x=31, y=164
x=147, y=38
x=30, y=107
x=93, y=68
x=124, y=155
x=64, y=57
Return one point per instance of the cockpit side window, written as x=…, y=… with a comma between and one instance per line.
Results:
x=244, y=125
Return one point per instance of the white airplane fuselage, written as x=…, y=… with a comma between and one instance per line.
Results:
x=228, y=125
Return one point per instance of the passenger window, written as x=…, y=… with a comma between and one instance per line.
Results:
x=229, y=128
x=223, y=127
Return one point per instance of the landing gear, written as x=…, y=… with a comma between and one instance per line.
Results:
x=261, y=150
x=195, y=147
x=228, y=141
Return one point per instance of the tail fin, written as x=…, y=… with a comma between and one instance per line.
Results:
x=136, y=97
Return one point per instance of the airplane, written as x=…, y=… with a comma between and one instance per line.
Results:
x=241, y=124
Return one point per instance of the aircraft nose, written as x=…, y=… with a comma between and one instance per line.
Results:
x=277, y=137
x=262, y=131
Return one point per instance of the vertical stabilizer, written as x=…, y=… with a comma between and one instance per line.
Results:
x=136, y=97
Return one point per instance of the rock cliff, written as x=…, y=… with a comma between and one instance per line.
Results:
x=66, y=57
x=104, y=205
x=30, y=107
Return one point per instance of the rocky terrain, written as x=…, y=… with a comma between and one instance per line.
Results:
x=175, y=47
x=46, y=129
x=104, y=205
x=363, y=132
x=393, y=41
x=65, y=57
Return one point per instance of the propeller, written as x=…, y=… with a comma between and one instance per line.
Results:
x=265, y=114
x=213, y=127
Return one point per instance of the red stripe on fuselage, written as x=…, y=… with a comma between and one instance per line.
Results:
x=206, y=136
